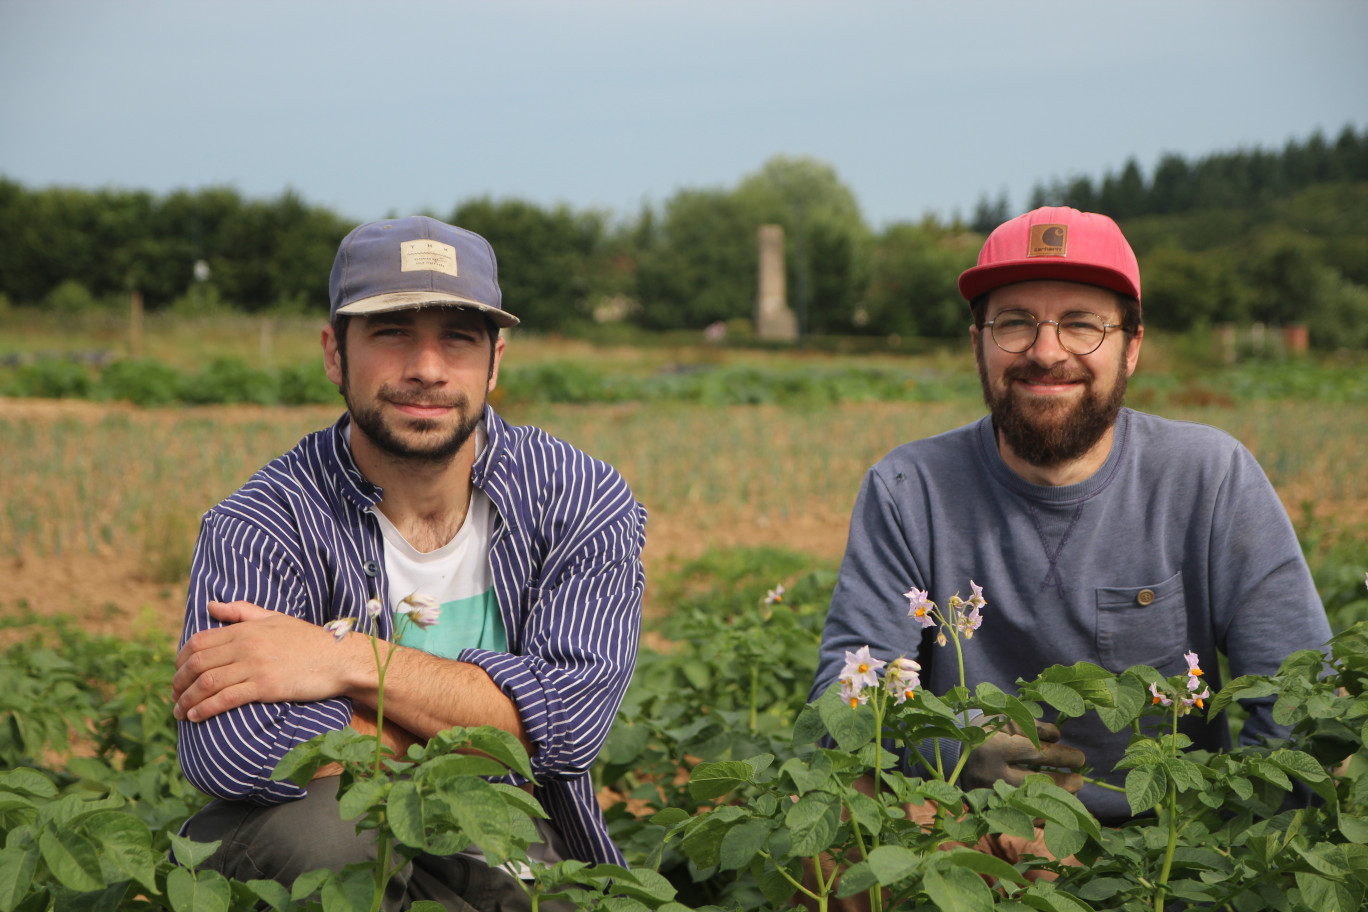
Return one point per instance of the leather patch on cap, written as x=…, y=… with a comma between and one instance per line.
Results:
x=433, y=256
x=1048, y=240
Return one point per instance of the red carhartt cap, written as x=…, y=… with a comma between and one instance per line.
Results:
x=1055, y=242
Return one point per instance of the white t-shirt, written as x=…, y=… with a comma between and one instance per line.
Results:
x=459, y=577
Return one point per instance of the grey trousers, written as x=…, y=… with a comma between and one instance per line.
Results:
x=283, y=841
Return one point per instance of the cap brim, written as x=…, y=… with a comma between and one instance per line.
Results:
x=980, y=279
x=409, y=300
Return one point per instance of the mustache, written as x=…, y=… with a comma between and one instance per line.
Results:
x=1053, y=375
x=397, y=397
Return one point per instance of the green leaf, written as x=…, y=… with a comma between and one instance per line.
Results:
x=1063, y=840
x=852, y=728
x=126, y=843
x=453, y=766
x=639, y=883
x=190, y=853
x=1185, y=774
x=813, y=821
x=73, y=859
x=809, y=728
x=1356, y=860
x=865, y=811
x=1145, y=788
x=703, y=834
x=274, y=894
x=1322, y=893
x=957, y=889
x=1299, y=764
x=503, y=747
x=300, y=762
x=715, y=779
x=1021, y=714
x=1062, y=698
x=17, y=864
x=1128, y=697
x=481, y=814
x=670, y=817
x=891, y=863
x=989, y=865
x=1011, y=821
x=771, y=880
x=741, y=843
x=404, y=811
x=197, y=891
x=352, y=890
x=1355, y=829
x=360, y=796
x=810, y=773
x=25, y=781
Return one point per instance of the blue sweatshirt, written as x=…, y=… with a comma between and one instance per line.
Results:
x=1177, y=543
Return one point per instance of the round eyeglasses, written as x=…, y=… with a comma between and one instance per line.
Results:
x=1014, y=331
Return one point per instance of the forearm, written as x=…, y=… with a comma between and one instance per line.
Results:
x=426, y=694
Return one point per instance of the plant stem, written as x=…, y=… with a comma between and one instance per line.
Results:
x=384, y=848
x=1172, y=823
x=754, y=697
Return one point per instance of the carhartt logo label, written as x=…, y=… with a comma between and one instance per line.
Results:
x=433, y=256
x=1048, y=240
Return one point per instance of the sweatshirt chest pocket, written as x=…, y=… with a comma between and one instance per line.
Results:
x=1141, y=625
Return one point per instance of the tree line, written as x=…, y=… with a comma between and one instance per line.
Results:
x=1254, y=235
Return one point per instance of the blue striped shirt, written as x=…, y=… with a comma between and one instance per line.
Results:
x=566, y=560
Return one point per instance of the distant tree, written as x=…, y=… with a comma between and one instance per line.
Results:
x=913, y=288
x=988, y=215
x=700, y=264
x=546, y=257
x=1171, y=190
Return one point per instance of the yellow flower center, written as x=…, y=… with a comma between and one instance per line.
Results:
x=864, y=667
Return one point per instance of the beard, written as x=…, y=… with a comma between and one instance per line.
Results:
x=1051, y=433
x=428, y=447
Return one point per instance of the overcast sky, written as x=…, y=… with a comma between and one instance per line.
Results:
x=373, y=108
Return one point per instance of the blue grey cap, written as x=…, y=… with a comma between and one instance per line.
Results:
x=398, y=264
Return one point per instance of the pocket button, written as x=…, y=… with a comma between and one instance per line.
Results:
x=1145, y=596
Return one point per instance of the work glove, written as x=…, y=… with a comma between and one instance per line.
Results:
x=1010, y=756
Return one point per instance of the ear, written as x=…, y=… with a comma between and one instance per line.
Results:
x=494, y=365
x=975, y=333
x=1133, y=350
x=332, y=359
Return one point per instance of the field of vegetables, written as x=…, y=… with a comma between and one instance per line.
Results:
x=748, y=463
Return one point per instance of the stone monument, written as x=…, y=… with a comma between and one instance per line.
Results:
x=774, y=320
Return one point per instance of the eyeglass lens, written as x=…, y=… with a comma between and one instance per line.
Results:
x=1014, y=331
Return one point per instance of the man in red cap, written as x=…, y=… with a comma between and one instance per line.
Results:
x=1095, y=533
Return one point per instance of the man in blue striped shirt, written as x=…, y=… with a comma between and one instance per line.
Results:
x=532, y=547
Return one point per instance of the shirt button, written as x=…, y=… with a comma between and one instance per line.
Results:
x=371, y=568
x=1145, y=596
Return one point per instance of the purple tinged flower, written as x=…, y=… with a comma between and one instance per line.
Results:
x=902, y=679
x=1197, y=699
x=421, y=609
x=977, y=599
x=774, y=595
x=862, y=668
x=340, y=627
x=1159, y=698
x=1194, y=672
x=970, y=622
x=374, y=608
x=920, y=607
x=853, y=693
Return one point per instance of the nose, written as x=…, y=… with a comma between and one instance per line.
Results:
x=426, y=361
x=1047, y=349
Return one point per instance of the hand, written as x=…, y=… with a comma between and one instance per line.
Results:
x=1010, y=756
x=261, y=656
